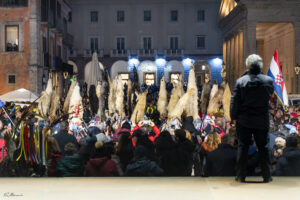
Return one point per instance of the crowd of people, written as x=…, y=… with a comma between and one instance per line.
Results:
x=118, y=147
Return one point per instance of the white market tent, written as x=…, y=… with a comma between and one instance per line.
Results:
x=20, y=95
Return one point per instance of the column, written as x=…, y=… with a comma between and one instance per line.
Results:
x=296, y=89
x=35, y=73
x=249, y=38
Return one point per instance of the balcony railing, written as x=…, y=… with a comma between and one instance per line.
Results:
x=147, y=52
x=173, y=52
x=119, y=53
x=13, y=3
x=89, y=52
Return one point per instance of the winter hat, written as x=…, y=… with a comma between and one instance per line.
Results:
x=291, y=142
x=126, y=125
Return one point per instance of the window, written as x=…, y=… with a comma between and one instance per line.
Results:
x=125, y=77
x=173, y=42
x=174, y=15
x=120, y=43
x=94, y=16
x=44, y=44
x=120, y=16
x=174, y=77
x=94, y=42
x=11, y=79
x=58, y=51
x=147, y=15
x=149, y=78
x=200, y=15
x=58, y=10
x=147, y=43
x=70, y=16
x=200, y=42
x=12, y=38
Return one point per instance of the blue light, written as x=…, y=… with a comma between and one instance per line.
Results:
x=160, y=62
x=133, y=61
x=187, y=62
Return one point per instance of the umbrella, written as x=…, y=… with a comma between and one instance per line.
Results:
x=20, y=95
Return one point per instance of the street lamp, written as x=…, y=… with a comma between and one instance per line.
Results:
x=297, y=71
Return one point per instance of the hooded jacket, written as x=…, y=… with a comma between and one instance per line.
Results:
x=289, y=163
x=143, y=167
x=101, y=167
x=69, y=166
x=250, y=100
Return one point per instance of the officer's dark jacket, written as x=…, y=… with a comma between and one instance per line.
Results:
x=250, y=100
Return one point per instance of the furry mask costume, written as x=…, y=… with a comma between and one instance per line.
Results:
x=68, y=98
x=76, y=107
x=192, y=106
x=44, y=102
x=205, y=95
x=138, y=112
x=162, y=99
x=94, y=102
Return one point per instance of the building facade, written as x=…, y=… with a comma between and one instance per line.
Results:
x=33, y=41
x=261, y=26
x=155, y=35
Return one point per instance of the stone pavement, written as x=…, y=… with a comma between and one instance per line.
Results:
x=148, y=188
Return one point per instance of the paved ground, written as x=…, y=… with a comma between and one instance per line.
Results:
x=148, y=189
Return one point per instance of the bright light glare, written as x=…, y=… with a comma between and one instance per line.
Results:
x=160, y=62
x=187, y=62
x=217, y=62
x=203, y=67
x=133, y=62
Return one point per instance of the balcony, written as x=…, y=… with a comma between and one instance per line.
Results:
x=173, y=52
x=147, y=52
x=119, y=53
x=13, y=3
x=68, y=39
x=89, y=52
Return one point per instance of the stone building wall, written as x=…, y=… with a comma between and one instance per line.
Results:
x=15, y=63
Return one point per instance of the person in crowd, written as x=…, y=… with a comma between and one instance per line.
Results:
x=185, y=149
x=289, y=163
x=123, y=127
x=145, y=126
x=222, y=161
x=63, y=137
x=54, y=155
x=141, y=165
x=250, y=111
x=166, y=153
x=124, y=149
x=71, y=165
x=101, y=163
x=210, y=143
